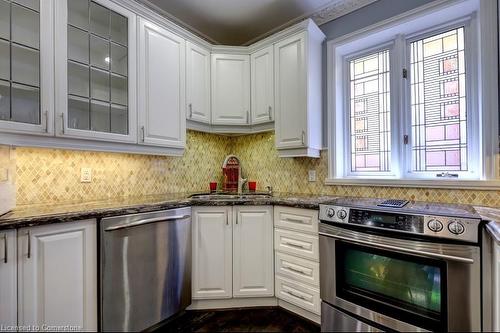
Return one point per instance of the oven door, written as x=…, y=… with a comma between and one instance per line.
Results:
x=401, y=284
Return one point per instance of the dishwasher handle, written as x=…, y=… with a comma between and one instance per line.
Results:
x=147, y=221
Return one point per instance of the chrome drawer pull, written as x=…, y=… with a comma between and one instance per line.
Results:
x=147, y=221
x=295, y=295
x=295, y=270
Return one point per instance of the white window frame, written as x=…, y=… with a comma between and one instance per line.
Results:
x=430, y=19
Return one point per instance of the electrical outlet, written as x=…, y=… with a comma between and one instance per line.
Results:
x=312, y=175
x=86, y=175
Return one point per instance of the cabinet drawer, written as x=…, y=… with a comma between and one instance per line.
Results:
x=296, y=243
x=298, y=294
x=296, y=219
x=302, y=270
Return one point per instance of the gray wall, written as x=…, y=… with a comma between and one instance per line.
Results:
x=363, y=17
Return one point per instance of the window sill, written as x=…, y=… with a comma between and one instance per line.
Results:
x=455, y=184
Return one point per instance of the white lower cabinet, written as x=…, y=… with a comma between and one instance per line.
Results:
x=232, y=252
x=212, y=252
x=8, y=280
x=296, y=245
x=253, y=272
x=496, y=287
x=57, y=275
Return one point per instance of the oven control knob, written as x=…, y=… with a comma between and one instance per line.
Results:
x=330, y=212
x=456, y=227
x=435, y=225
x=342, y=214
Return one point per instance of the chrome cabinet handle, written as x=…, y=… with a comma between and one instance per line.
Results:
x=29, y=243
x=190, y=111
x=295, y=295
x=147, y=221
x=62, y=123
x=227, y=219
x=248, y=116
x=143, y=134
x=303, y=138
x=5, y=248
x=295, y=245
x=46, y=115
x=269, y=111
x=290, y=219
x=295, y=270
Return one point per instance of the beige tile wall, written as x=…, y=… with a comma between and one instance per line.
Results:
x=53, y=176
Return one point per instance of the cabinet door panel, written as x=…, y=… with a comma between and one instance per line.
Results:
x=197, y=83
x=212, y=252
x=57, y=275
x=253, y=271
x=262, y=80
x=8, y=278
x=230, y=89
x=291, y=92
x=161, y=87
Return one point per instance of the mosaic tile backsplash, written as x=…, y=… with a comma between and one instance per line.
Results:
x=48, y=176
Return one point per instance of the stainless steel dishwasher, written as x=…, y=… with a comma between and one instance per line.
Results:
x=145, y=268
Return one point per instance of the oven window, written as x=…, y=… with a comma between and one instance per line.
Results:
x=392, y=283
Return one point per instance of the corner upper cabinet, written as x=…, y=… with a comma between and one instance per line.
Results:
x=26, y=67
x=262, y=90
x=298, y=93
x=197, y=83
x=95, y=43
x=162, y=92
x=230, y=89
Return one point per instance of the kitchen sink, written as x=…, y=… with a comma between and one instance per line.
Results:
x=229, y=196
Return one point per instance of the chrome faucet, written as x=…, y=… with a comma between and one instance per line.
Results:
x=241, y=182
x=269, y=190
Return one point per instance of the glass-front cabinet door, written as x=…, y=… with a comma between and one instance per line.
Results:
x=26, y=70
x=95, y=66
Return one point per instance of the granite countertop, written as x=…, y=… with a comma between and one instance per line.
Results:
x=493, y=216
x=32, y=215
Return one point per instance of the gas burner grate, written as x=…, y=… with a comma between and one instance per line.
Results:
x=393, y=203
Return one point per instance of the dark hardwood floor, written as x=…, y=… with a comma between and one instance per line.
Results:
x=240, y=320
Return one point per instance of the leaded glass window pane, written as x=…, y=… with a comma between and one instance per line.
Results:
x=438, y=102
x=370, y=107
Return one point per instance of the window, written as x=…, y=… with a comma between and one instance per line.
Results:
x=407, y=102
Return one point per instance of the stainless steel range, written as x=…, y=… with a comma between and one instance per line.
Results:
x=400, y=266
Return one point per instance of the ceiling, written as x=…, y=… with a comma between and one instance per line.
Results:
x=241, y=22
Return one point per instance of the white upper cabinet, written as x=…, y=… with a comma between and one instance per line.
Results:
x=262, y=80
x=26, y=67
x=197, y=83
x=230, y=89
x=57, y=275
x=253, y=269
x=298, y=91
x=162, y=118
x=95, y=71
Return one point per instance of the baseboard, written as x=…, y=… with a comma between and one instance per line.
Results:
x=299, y=311
x=205, y=304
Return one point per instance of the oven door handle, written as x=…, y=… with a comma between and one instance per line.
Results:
x=399, y=249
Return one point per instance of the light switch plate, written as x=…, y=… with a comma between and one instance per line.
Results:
x=312, y=175
x=86, y=175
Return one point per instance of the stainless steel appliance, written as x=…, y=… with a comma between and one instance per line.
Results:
x=145, y=268
x=412, y=268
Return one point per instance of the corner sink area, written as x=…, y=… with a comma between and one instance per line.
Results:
x=230, y=196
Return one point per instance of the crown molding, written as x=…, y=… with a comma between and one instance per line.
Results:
x=336, y=9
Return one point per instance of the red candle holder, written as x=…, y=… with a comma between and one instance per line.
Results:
x=252, y=186
x=213, y=186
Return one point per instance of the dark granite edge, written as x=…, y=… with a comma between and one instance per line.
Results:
x=311, y=202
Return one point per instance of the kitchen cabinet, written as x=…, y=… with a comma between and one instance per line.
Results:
x=8, y=279
x=57, y=275
x=496, y=287
x=232, y=252
x=212, y=269
x=95, y=43
x=253, y=270
x=197, y=83
x=298, y=102
x=262, y=81
x=162, y=120
x=26, y=68
x=230, y=89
